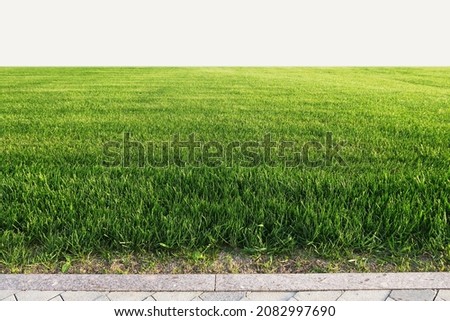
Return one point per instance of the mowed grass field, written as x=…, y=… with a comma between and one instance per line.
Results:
x=59, y=201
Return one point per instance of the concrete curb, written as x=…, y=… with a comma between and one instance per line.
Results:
x=337, y=281
x=108, y=282
x=225, y=282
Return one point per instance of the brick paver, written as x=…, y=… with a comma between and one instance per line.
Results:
x=5, y=293
x=36, y=295
x=222, y=296
x=365, y=295
x=129, y=296
x=269, y=296
x=413, y=295
x=443, y=295
x=102, y=297
x=176, y=296
x=81, y=295
x=318, y=295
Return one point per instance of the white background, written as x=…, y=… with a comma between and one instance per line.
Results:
x=224, y=32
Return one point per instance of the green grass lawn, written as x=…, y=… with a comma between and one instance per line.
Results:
x=58, y=200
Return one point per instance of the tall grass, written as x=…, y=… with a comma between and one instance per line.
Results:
x=57, y=199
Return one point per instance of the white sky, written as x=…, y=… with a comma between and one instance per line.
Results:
x=224, y=32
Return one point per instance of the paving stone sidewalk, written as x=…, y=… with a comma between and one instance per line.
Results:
x=356, y=295
x=228, y=287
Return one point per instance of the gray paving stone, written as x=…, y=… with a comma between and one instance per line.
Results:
x=365, y=295
x=389, y=299
x=413, y=295
x=150, y=298
x=222, y=296
x=443, y=295
x=318, y=295
x=9, y=298
x=57, y=298
x=36, y=295
x=103, y=297
x=129, y=296
x=5, y=293
x=175, y=296
x=269, y=296
x=81, y=295
x=293, y=299
x=197, y=299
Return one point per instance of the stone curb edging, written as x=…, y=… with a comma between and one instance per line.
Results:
x=336, y=281
x=225, y=282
